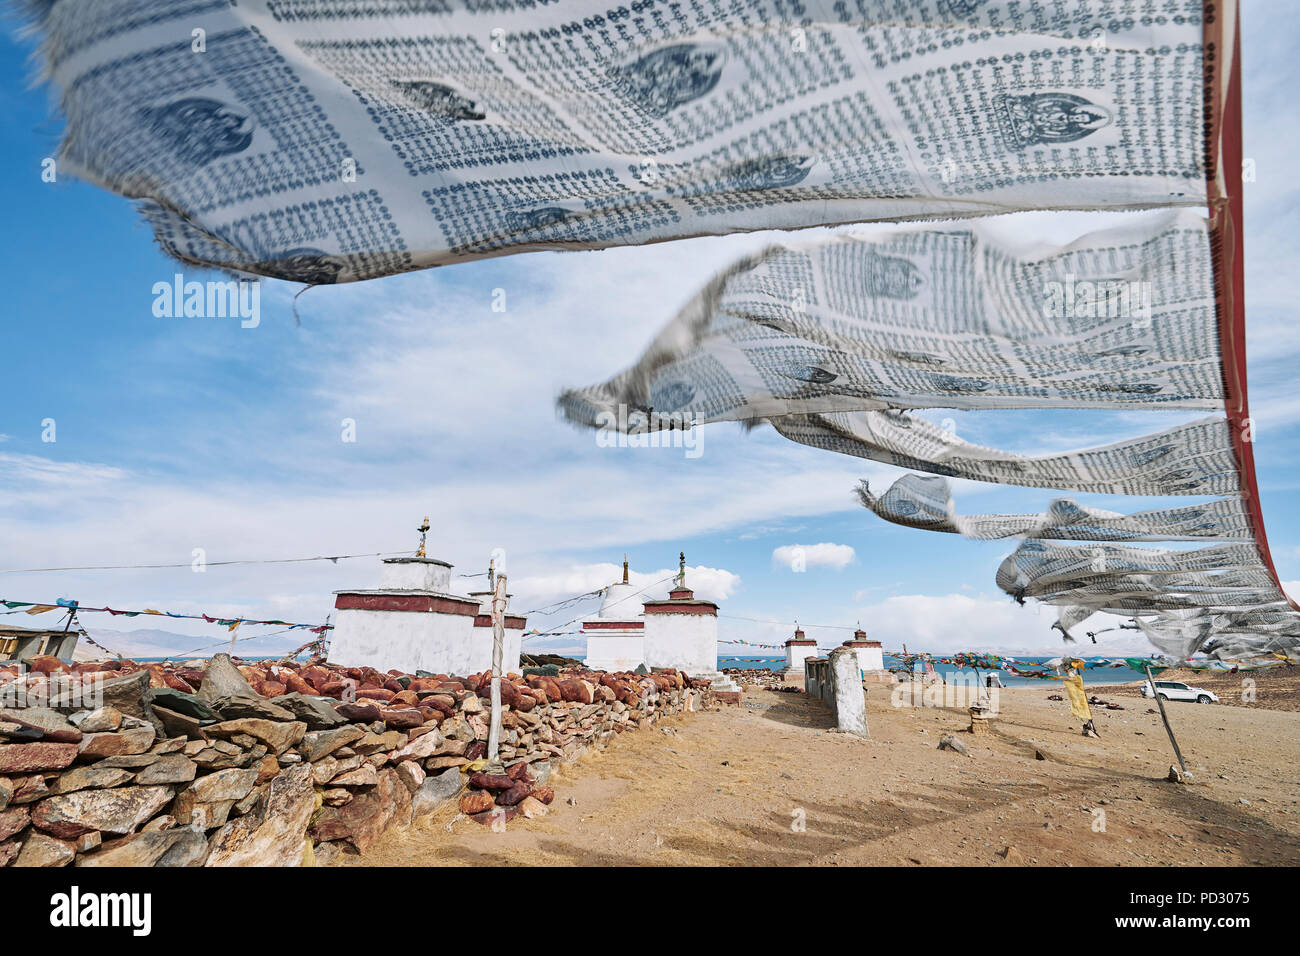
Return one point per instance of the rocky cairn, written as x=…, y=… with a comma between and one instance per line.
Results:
x=282, y=764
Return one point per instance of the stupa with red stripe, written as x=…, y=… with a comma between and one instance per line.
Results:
x=413, y=622
x=616, y=635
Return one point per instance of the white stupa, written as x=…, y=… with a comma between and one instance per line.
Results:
x=679, y=632
x=616, y=635
x=414, y=622
x=682, y=633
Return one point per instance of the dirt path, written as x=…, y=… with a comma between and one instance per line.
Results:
x=729, y=787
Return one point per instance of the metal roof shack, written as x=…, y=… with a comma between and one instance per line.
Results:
x=17, y=643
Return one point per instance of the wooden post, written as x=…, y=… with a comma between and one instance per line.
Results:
x=1165, y=717
x=498, y=642
x=72, y=613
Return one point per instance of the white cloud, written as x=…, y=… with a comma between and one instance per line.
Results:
x=47, y=472
x=709, y=584
x=800, y=557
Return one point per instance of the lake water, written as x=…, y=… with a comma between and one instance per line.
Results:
x=1099, y=675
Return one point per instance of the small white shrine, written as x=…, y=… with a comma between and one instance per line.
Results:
x=680, y=632
x=413, y=622
x=871, y=656
x=616, y=635
x=797, y=650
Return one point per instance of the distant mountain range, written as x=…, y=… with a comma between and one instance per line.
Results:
x=151, y=642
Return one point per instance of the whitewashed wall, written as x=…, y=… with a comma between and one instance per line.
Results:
x=687, y=642
x=615, y=650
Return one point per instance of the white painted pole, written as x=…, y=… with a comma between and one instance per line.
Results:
x=498, y=651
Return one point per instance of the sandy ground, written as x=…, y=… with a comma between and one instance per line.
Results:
x=731, y=787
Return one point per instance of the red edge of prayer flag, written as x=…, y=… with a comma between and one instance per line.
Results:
x=1224, y=185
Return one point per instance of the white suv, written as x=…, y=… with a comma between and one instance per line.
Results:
x=1173, y=690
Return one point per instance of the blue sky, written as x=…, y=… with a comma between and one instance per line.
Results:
x=176, y=434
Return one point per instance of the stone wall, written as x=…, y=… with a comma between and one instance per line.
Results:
x=282, y=764
x=838, y=681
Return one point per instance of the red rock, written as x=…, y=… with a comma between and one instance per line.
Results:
x=544, y=794
x=476, y=801
x=315, y=675
x=374, y=693
x=552, y=688
x=393, y=685
x=508, y=798
x=44, y=664
x=191, y=675
x=360, y=713
x=26, y=758
x=405, y=698
x=520, y=772
x=92, y=667
x=525, y=703
x=490, y=781
x=271, y=688
x=477, y=750
x=444, y=703
x=297, y=685
x=333, y=688
x=176, y=682
x=576, y=690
